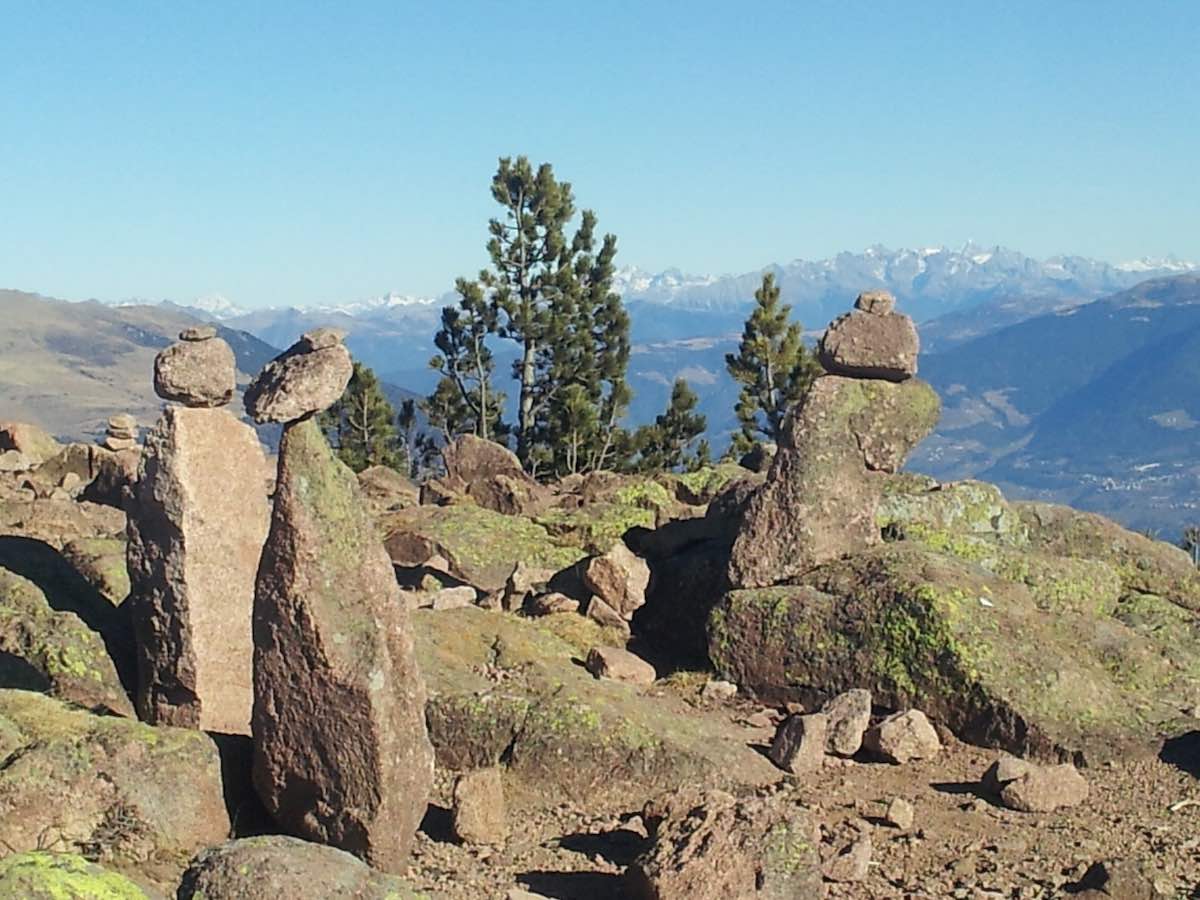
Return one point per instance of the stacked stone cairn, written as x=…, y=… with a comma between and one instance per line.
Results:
x=341, y=751
x=854, y=427
x=197, y=520
x=121, y=433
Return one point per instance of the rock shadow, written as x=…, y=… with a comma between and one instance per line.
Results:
x=574, y=885
x=18, y=674
x=619, y=846
x=438, y=825
x=247, y=815
x=68, y=591
x=1183, y=752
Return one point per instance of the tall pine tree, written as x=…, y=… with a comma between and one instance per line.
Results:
x=464, y=400
x=361, y=424
x=772, y=365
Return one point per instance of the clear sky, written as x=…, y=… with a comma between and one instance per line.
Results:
x=303, y=152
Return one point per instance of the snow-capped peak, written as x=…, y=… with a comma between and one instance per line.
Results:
x=1162, y=264
x=217, y=305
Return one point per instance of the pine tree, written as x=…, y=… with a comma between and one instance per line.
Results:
x=665, y=444
x=772, y=365
x=464, y=400
x=361, y=424
x=556, y=302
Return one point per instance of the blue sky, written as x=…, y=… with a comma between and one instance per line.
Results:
x=316, y=152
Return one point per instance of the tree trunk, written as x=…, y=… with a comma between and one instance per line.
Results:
x=525, y=423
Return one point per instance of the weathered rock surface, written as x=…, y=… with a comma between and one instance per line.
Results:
x=871, y=341
x=41, y=875
x=276, y=867
x=196, y=373
x=711, y=846
x=307, y=378
x=105, y=785
x=492, y=476
x=821, y=495
x=479, y=814
x=53, y=651
x=197, y=524
x=902, y=737
x=28, y=440
x=799, y=744
x=619, y=665
x=115, y=472
x=333, y=656
x=974, y=651
x=848, y=716
x=851, y=863
x=502, y=685
x=384, y=489
x=101, y=560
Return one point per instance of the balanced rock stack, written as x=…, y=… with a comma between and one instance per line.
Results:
x=121, y=433
x=341, y=752
x=197, y=520
x=854, y=427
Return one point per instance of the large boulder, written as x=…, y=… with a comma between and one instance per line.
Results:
x=973, y=650
x=197, y=523
x=917, y=507
x=101, y=560
x=1143, y=565
x=305, y=379
x=30, y=441
x=275, y=867
x=492, y=476
x=871, y=341
x=54, y=651
x=619, y=578
x=196, y=371
x=712, y=846
x=112, y=788
x=385, y=489
x=503, y=688
x=821, y=496
x=333, y=657
x=42, y=875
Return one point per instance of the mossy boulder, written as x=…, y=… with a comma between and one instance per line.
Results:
x=507, y=689
x=127, y=794
x=917, y=504
x=597, y=527
x=1144, y=565
x=275, y=867
x=101, y=560
x=44, y=649
x=40, y=875
x=698, y=488
x=478, y=546
x=973, y=650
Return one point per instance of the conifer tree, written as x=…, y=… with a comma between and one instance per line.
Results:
x=665, y=444
x=361, y=424
x=772, y=365
x=464, y=400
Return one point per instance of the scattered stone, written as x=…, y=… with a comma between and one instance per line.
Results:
x=275, y=867
x=603, y=614
x=479, y=814
x=454, y=598
x=198, y=518
x=386, y=489
x=16, y=461
x=619, y=578
x=799, y=744
x=333, y=656
x=820, y=498
x=1005, y=769
x=619, y=665
x=849, y=715
x=1122, y=879
x=196, y=373
x=902, y=737
x=1042, y=788
x=551, y=603
x=871, y=344
x=70, y=482
x=711, y=846
x=850, y=864
x=198, y=333
x=524, y=582
x=717, y=690
x=307, y=378
x=900, y=814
